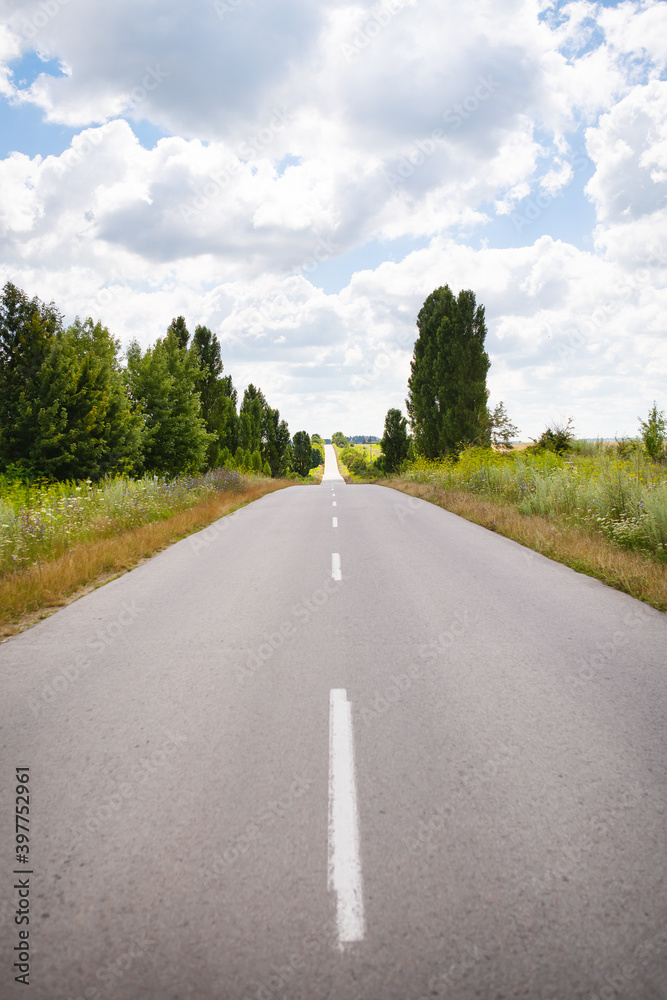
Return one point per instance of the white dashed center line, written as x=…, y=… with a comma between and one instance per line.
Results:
x=344, y=860
x=335, y=566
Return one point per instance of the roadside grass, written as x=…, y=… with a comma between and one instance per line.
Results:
x=342, y=468
x=315, y=475
x=68, y=568
x=599, y=514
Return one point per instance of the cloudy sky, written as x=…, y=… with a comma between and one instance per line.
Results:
x=300, y=176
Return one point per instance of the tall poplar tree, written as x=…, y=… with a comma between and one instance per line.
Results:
x=301, y=453
x=218, y=395
x=447, y=396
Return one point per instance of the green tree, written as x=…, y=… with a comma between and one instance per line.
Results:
x=395, y=441
x=339, y=440
x=301, y=453
x=250, y=419
x=64, y=410
x=275, y=441
x=217, y=393
x=28, y=331
x=654, y=431
x=447, y=387
x=84, y=426
x=502, y=430
x=180, y=330
x=163, y=384
x=558, y=438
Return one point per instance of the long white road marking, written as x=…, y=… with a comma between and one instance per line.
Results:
x=334, y=522
x=335, y=566
x=344, y=860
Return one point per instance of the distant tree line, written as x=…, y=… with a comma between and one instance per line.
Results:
x=69, y=408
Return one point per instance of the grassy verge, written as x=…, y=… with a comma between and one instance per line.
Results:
x=36, y=591
x=315, y=475
x=584, y=550
x=342, y=468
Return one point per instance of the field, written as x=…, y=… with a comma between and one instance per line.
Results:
x=598, y=509
x=57, y=539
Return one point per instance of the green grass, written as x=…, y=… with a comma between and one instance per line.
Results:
x=97, y=533
x=41, y=522
x=625, y=499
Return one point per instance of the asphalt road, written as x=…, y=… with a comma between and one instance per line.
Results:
x=431, y=767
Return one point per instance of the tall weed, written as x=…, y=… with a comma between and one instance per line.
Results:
x=624, y=498
x=41, y=521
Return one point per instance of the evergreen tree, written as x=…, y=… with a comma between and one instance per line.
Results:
x=301, y=453
x=28, y=331
x=163, y=383
x=275, y=441
x=83, y=423
x=250, y=419
x=218, y=395
x=395, y=441
x=64, y=411
x=447, y=387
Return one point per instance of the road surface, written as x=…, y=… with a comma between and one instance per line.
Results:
x=342, y=744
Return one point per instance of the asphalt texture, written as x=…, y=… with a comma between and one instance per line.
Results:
x=509, y=722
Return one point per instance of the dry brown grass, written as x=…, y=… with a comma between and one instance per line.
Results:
x=590, y=553
x=34, y=593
